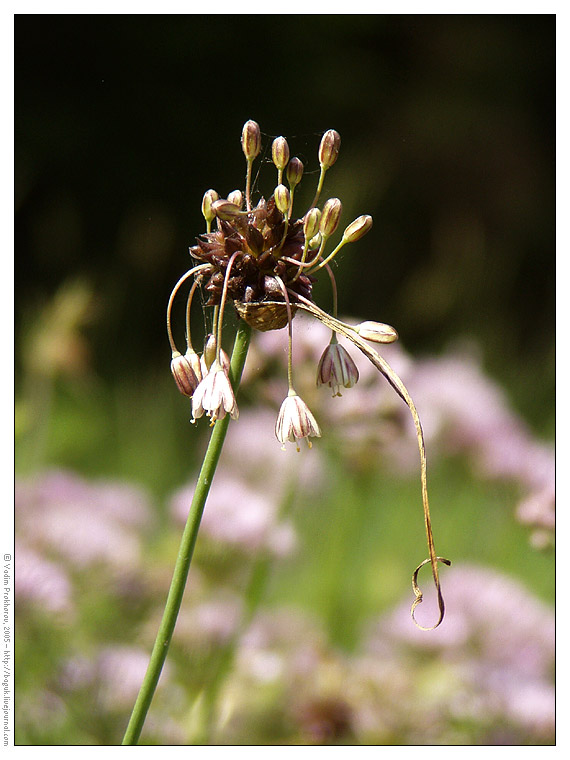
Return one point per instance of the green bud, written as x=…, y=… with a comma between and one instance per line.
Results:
x=329, y=148
x=280, y=152
x=330, y=217
x=294, y=172
x=183, y=374
x=236, y=197
x=311, y=223
x=315, y=241
x=192, y=357
x=251, y=140
x=209, y=354
x=376, y=332
x=357, y=229
x=282, y=198
x=223, y=209
x=210, y=197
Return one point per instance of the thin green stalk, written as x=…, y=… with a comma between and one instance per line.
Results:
x=176, y=592
x=253, y=595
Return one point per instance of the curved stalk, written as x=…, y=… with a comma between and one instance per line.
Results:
x=175, y=289
x=176, y=592
x=384, y=368
x=290, y=331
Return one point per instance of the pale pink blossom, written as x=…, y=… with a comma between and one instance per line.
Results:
x=295, y=421
x=41, y=582
x=215, y=396
x=120, y=671
x=208, y=623
x=239, y=515
x=336, y=368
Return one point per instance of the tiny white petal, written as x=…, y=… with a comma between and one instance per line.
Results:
x=295, y=421
x=214, y=395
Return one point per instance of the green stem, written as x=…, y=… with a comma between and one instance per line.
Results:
x=176, y=592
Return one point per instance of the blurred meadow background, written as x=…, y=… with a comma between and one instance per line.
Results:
x=295, y=626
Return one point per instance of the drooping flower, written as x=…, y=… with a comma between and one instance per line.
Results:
x=336, y=368
x=215, y=396
x=295, y=421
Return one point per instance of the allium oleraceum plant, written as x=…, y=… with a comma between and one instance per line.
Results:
x=264, y=260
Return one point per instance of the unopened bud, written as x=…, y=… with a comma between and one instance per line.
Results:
x=315, y=241
x=194, y=360
x=236, y=197
x=329, y=148
x=280, y=152
x=357, y=229
x=282, y=198
x=311, y=222
x=183, y=374
x=209, y=355
x=223, y=209
x=210, y=197
x=209, y=351
x=330, y=216
x=294, y=172
x=376, y=332
x=251, y=140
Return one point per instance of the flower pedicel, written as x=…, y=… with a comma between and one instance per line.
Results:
x=264, y=260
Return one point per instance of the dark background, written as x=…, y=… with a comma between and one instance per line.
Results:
x=448, y=140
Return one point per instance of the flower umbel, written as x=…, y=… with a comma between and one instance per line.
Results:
x=295, y=421
x=264, y=257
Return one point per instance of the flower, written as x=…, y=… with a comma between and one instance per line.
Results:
x=263, y=258
x=84, y=522
x=295, y=421
x=336, y=368
x=41, y=582
x=215, y=395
